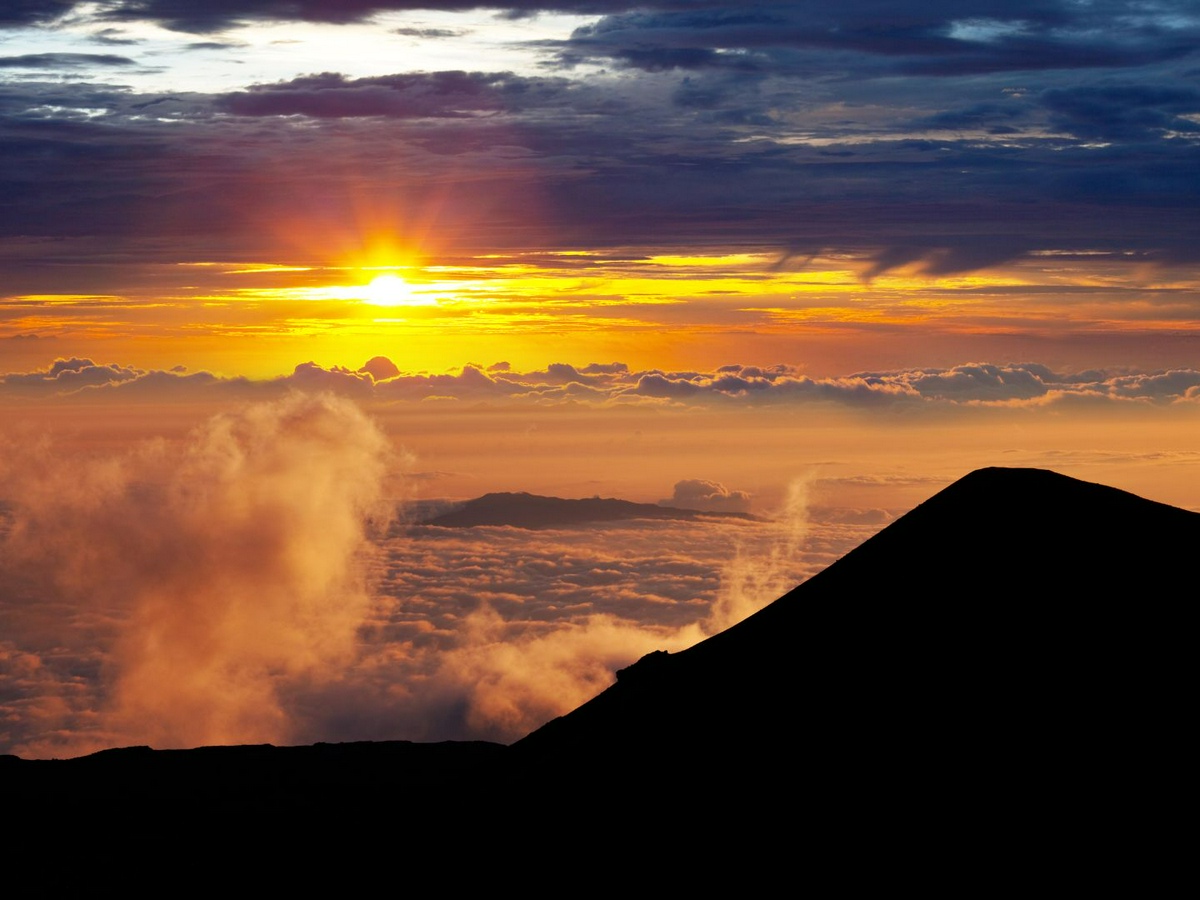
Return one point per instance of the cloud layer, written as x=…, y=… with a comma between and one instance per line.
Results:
x=950, y=138
x=974, y=385
x=241, y=586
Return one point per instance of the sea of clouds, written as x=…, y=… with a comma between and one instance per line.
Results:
x=259, y=582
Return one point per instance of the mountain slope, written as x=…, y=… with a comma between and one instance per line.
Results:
x=1019, y=623
x=1008, y=666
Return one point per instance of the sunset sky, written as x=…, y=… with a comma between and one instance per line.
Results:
x=278, y=267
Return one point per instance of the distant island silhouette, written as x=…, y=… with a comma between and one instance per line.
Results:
x=1019, y=638
x=522, y=510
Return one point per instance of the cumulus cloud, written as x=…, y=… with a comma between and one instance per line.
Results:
x=239, y=610
x=516, y=683
x=222, y=569
x=380, y=368
x=970, y=385
x=66, y=375
x=709, y=496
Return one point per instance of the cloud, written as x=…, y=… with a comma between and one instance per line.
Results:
x=182, y=15
x=496, y=631
x=971, y=385
x=775, y=125
x=1123, y=111
x=966, y=386
x=206, y=18
x=954, y=257
x=761, y=573
x=333, y=96
x=431, y=33
x=213, y=45
x=380, y=368
x=516, y=684
x=709, y=496
x=63, y=61
x=614, y=368
x=66, y=375
x=18, y=13
x=115, y=36
x=869, y=166
x=222, y=570
x=865, y=38
x=421, y=633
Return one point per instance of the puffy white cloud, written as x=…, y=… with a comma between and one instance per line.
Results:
x=210, y=573
x=709, y=496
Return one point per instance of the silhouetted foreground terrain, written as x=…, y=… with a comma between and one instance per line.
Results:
x=1021, y=640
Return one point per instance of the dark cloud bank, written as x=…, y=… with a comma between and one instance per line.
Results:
x=953, y=136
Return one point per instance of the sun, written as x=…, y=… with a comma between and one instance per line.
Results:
x=392, y=290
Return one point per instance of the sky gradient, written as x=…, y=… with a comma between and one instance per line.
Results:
x=990, y=181
x=573, y=248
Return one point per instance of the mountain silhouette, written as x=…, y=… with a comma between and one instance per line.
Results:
x=1019, y=638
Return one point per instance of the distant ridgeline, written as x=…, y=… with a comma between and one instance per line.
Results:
x=522, y=510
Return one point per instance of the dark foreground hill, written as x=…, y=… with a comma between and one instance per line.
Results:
x=1016, y=608
x=1021, y=641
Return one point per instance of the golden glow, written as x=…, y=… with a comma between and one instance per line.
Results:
x=736, y=261
x=660, y=309
x=392, y=290
x=261, y=269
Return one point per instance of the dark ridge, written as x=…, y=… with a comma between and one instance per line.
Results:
x=262, y=775
x=522, y=510
x=1010, y=661
x=1019, y=623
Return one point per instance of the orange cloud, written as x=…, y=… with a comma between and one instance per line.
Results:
x=229, y=567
